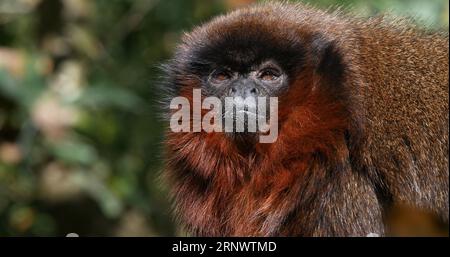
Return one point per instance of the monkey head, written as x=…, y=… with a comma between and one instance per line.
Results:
x=250, y=59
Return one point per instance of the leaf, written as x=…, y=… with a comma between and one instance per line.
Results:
x=74, y=152
x=109, y=96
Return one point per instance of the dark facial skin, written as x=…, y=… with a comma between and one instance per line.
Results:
x=264, y=80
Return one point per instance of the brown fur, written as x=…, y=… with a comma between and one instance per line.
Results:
x=348, y=149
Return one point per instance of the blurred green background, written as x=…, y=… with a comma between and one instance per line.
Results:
x=80, y=138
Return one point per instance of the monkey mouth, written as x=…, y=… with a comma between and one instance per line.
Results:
x=241, y=121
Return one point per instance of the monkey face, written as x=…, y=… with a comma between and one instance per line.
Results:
x=244, y=80
x=246, y=90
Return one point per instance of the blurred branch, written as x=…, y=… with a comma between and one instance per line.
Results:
x=130, y=21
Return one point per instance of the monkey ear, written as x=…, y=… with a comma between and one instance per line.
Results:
x=328, y=60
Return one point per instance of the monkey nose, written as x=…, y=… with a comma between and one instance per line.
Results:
x=244, y=92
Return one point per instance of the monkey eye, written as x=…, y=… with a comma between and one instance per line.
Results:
x=220, y=76
x=268, y=75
